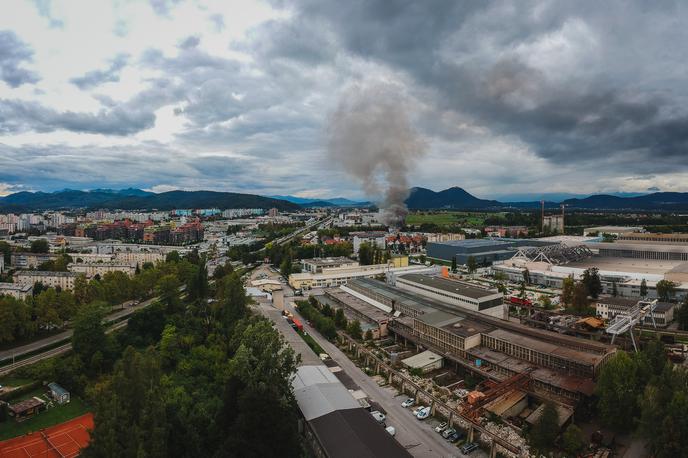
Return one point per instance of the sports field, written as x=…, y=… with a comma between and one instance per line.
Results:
x=60, y=441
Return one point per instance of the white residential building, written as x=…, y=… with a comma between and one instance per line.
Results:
x=16, y=290
x=64, y=280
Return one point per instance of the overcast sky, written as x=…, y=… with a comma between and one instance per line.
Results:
x=236, y=95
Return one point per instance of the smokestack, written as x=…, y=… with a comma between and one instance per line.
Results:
x=371, y=137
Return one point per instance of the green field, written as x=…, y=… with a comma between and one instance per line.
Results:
x=58, y=414
x=13, y=380
x=467, y=219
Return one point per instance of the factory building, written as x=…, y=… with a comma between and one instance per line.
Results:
x=482, y=250
x=560, y=365
x=609, y=307
x=371, y=318
x=657, y=252
x=329, y=277
x=650, y=237
x=456, y=293
x=333, y=422
x=626, y=275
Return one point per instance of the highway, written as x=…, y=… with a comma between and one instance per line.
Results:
x=319, y=223
x=65, y=335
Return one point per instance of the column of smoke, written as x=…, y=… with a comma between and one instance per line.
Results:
x=371, y=137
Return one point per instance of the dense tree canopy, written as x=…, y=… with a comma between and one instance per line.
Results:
x=185, y=378
x=592, y=282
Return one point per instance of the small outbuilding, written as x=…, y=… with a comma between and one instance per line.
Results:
x=26, y=408
x=59, y=394
x=426, y=361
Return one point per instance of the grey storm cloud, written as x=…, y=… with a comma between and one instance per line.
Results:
x=14, y=53
x=622, y=93
x=586, y=90
x=18, y=116
x=98, y=77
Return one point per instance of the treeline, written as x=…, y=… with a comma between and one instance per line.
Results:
x=51, y=308
x=643, y=393
x=194, y=374
x=327, y=320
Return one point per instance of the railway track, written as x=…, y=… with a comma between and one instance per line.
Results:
x=52, y=352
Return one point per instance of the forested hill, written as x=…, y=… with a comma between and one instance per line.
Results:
x=135, y=199
x=458, y=198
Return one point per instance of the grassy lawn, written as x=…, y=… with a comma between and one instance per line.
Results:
x=14, y=381
x=58, y=414
x=311, y=343
x=469, y=219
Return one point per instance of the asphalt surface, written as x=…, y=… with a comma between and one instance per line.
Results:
x=48, y=341
x=418, y=437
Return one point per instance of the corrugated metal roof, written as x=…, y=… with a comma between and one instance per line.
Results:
x=318, y=392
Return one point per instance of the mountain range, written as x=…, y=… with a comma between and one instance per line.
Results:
x=458, y=198
x=329, y=202
x=135, y=199
x=419, y=198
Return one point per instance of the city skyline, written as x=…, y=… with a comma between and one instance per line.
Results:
x=546, y=97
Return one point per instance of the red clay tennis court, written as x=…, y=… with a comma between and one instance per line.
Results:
x=60, y=441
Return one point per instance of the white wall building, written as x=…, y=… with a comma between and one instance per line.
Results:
x=64, y=280
x=456, y=293
x=91, y=269
x=16, y=290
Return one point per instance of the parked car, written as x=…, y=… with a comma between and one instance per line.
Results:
x=391, y=430
x=416, y=410
x=454, y=437
x=378, y=416
x=469, y=448
x=423, y=413
x=408, y=403
x=441, y=427
x=448, y=432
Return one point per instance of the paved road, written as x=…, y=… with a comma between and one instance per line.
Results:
x=48, y=341
x=418, y=437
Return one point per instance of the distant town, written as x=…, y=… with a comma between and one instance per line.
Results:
x=481, y=329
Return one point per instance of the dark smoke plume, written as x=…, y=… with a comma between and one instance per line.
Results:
x=372, y=138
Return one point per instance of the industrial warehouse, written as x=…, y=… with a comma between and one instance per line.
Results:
x=622, y=266
x=482, y=250
x=558, y=365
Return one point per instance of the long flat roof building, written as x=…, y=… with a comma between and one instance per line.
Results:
x=456, y=293
x=315, y=265
x=482, y=250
